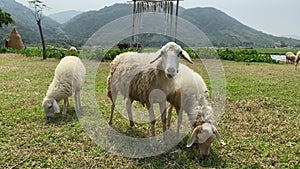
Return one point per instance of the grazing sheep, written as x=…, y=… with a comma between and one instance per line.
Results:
x=297, y=59
x=204, y=129
x=192, y=98
x=191, y=86
x=68, y=80
x=290, y=57
x=145, y=77
x=72, y=48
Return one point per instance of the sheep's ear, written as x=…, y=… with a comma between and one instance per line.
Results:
x=215, y=131
x=192, y=139
x=159, y=53
x=186, y=56
x=56, y=107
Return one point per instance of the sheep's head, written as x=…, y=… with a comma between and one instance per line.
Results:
x=206, y=134
x=171, y=54
x=50, y=106
x=204, y=131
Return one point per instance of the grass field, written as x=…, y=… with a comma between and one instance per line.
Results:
x=261, y=122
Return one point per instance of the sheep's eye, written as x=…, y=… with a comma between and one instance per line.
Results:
x=49, y=107
x=180, y=54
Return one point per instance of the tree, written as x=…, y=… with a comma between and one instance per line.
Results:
x=5, y=18
x=37, y=7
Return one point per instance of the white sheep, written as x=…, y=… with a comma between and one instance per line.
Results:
x=190, y=86
x=68, y=80
x=72, y=48
x=192, y=97
x=136, y=79
x=297, y=59
x=204, y=129
x=290, y=57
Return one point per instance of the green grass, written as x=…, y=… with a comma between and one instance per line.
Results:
x=260, y=124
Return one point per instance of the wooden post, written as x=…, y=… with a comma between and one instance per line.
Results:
x=133, y=21
x=176, y=22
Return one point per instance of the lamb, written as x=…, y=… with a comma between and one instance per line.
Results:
x=68, y=80
x=137, y=80
x=290, y=57
x=192, y=98
x=297, y=59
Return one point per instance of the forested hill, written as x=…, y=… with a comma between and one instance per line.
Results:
x=224, y=30
x=221, y=29
x=26, y=24
x=65, y=16
x=84, y=25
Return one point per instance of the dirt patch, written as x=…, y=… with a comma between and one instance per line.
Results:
x=11, y=56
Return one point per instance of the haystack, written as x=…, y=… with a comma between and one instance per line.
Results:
x=14, y=40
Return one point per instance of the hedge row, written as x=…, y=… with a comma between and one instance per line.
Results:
x=243, y=55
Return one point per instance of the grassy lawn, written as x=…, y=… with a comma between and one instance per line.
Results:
x=261, y=122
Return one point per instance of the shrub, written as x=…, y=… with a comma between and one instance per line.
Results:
x=245, y=55
x=51, y=52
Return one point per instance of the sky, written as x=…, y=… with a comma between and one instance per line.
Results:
x=276, y=17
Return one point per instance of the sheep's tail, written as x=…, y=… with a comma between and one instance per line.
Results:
x=113, y=66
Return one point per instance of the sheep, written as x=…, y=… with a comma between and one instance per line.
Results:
x=297, y=59
x=290, y=57
x=144, y=77
x=68, y=80
x=72, y=48
x=192, y=98
x=193, y=86
x=204, y=129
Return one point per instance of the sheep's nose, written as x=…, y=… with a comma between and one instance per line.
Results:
x=171, y=72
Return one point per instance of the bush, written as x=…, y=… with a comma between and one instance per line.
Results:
x=245, y=55
x=104, y=54
x=51, y=52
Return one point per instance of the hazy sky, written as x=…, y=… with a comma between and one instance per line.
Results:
x=277, y=17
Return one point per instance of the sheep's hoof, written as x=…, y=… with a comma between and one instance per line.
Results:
x=131, y=124
x=65, y=115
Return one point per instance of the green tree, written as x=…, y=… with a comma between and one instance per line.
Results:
x=5, y=18
x=37, y=7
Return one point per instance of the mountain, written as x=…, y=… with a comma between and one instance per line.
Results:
x=27, y=27
x=224, y=30
x=91, y=21
x=291, y=36
x=221, y=29
x=65, y=16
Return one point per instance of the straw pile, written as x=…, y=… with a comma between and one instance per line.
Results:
x=14, y=40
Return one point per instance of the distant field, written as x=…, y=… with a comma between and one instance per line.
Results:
x=260, y=125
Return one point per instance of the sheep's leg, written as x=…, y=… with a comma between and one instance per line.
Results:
x=169, y=116
x=163, y=115
x=66, y=104
x=179, y=121
x=128, y=107
x=77, y=101
x=112, y=107
x=152, y=119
